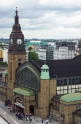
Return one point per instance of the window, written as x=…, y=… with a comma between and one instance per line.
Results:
x=69, y=81
x=76, y=80
x=58, y=82
x=65, y=82
x=78, y=107
x=79, y=80
x=73, y=81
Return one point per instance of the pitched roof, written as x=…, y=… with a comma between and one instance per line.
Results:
x=56, y=98
x=60, y=68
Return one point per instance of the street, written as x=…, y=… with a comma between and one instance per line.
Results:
x=35, y=119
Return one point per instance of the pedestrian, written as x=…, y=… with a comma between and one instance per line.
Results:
x=27, y=118
x=42, y=121
x=30, y=120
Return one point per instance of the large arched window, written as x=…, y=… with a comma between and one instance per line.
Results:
x=28, y=79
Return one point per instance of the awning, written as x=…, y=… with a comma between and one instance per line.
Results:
x=19, y=104
x=24, y=91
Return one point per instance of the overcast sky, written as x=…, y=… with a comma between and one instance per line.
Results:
x=49, y=19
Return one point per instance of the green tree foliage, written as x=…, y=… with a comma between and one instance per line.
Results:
x=30, y=48
x=33, y=56
x=3, y=63
x=1, y=46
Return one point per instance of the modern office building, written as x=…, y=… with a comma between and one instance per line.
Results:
x=78, y=50
x=64, y=50
x=49, y=53
x=5, y=55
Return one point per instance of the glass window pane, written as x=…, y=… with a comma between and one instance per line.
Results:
x=73, y=90
x=65, y=91
x=69, y=81
x=58, y=88
x=61, y=87
x=65, y=82
x=79, y=80
x=79, y=88
x=69, y=86
x=76, y=80
x=65, y=87
x=61, y=82
x=58, y=82
x=58, y=92
x=69, y=91
x=61, y=91
x=76, y=86
x=73, y=81
x=73, y=86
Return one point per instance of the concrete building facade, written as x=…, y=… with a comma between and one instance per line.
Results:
x=64, y=50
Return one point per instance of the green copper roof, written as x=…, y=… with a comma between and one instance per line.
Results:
x=44, y=72
x=24, y=91
x=72, y=97
x=44, y=66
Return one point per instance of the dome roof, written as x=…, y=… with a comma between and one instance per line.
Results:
x=72, y=97
x=44, y=66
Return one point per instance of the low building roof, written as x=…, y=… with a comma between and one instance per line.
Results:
x=56, y=98
x=71, y=97
x=24, y=91
x=77, y=112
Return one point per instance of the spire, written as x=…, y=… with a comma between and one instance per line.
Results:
x=16, y=17
x=44, y=62
x=16, y=25
x=16, y=11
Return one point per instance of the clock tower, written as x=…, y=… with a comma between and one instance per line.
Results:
x=16, y=54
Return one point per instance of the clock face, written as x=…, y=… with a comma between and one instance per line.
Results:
x=19, y=41
x=11, y=41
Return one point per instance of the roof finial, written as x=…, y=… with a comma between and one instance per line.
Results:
x=16, y=11
x=44, y=62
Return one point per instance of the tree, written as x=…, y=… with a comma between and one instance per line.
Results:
x=33, y=56
x=3, y=63
x=30, y=48
x=1, y=46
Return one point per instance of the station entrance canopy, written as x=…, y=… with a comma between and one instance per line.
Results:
x=24, y=91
